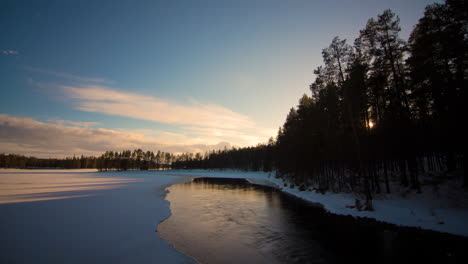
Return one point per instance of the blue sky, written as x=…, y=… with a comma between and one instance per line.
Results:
x=174, y=75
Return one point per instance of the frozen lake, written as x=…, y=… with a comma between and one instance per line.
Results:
x=82, y=216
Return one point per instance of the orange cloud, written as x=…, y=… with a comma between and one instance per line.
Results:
x=72, y=123
x=101, y=99
x=30, y=137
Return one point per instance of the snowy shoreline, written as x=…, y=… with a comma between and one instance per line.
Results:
x=424, y=210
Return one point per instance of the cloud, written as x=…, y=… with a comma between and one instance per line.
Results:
x=195, y=123
x=101, y=99
x=9, y=52
x=61, y=122
x=203, y=123
x=244, y=137
x=66, y=75
x=30, y=137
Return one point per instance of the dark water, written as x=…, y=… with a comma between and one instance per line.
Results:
x=232, y=221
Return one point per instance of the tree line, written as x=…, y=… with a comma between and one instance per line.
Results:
x=250, y=158
x=258, y=158
x=110, y=160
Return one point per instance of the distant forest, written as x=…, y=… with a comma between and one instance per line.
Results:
x=110, y=160
x=381, y=109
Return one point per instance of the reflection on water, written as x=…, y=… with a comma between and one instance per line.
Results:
x=219, y=221
x=232, y=221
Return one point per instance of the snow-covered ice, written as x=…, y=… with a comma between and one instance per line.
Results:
x=81, y=216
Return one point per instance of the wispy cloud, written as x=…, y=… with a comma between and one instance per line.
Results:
x=61, y=122
x=9, y=52
x=196, y=123
x=204, y=123
x=101, y=99
x=30, y=137
x=66, y=75
x=241, y=137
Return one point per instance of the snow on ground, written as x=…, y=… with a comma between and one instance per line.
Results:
x=423, y=210
x=84, y=216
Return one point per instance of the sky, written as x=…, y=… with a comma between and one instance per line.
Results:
x=83, y=77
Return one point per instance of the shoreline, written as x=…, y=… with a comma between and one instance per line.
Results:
x=163, y=190
x=430, y=222
x=385, y=228
x=412, y=211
